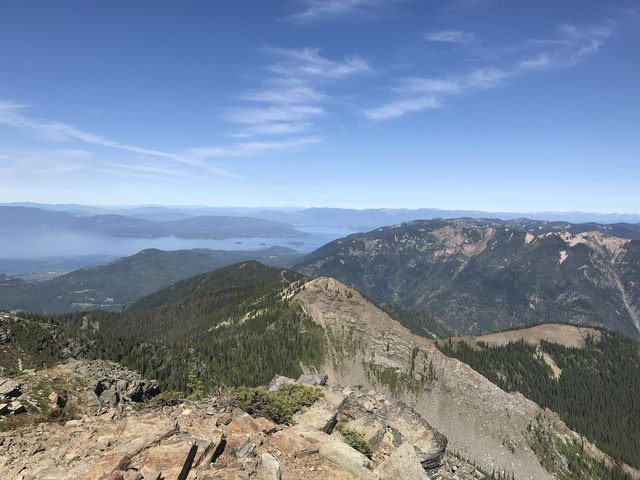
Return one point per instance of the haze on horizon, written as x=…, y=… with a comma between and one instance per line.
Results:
x=460, y=104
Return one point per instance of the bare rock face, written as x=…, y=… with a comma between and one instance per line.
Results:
x=214, y=440
x=114, y=384
x=313, y=379
x=403, y=464
x=481, y=422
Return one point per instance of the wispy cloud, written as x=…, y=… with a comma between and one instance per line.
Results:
x=459, y=37
x=322, y=10
x=15, y=115
x=307, y=62
x=573, y=45
x=398, y=108
x=293, y=96
x=51, y=165
x=253, y=148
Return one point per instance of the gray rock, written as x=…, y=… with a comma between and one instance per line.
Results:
x=318, y=379
x=109, y=396
x=278, y=381
x=348, y=458
x=116, y=385
x=403, y=464
x=430, y=449
x=16, y=408
x=10, y=388
x=319, y=416
x=247, y=448
x=367, y=406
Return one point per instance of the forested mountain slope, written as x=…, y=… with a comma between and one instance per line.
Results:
x=232, y=326
x=591, y=378
x=486, y=275
x=117, y=284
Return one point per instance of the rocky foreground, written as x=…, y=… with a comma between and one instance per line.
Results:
x=93, y=421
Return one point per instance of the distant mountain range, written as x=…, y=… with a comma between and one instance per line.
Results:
x=205, y=226
x=364, y=219
x=481, y=275
x=372, y=218
x=115, y=285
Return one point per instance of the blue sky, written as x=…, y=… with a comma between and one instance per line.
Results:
x=475, y=104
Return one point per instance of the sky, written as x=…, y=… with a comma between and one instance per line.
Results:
x=456, y=104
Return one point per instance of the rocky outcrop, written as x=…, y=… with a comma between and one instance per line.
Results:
x=481, y=421
x=10, y=390
x=214, y=440
x=113, y=384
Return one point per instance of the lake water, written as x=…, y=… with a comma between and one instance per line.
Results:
x=41, y=243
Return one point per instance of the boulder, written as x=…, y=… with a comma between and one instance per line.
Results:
x=348, y=458
x=10, y=388
x=247, y=447
x=278, y=381
x=370, y=427
x=16, y=408
x=430, y=447
x=269, y=468
x=319, y=416
x=168, y=457
x=316, y=379
x=403, y=464
x=115, y=384
x=429, y=444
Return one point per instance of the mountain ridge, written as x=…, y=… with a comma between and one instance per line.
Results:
x=117, y=284
x=482, y=275
x=204, y=226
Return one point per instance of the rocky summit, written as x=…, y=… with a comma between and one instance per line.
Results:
x=212, y=438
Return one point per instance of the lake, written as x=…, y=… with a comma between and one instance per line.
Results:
x=44, y=243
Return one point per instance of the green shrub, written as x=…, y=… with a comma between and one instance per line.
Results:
x=354, y=439
x=167, y=398
x=250, y=399
x=279, y=406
